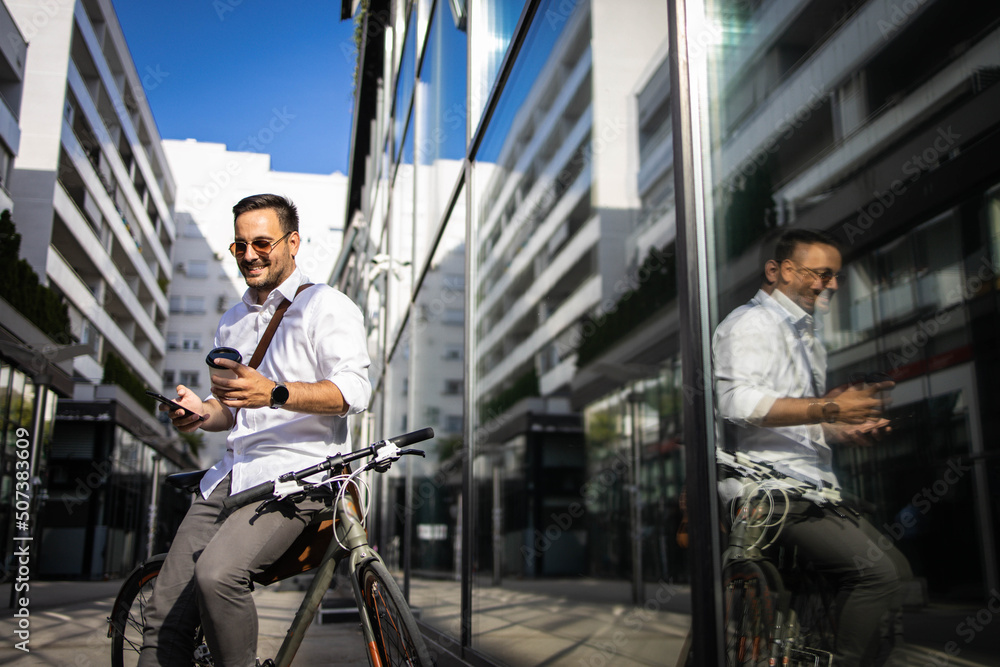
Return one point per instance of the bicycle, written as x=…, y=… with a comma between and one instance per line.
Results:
x=765, y=621
x=336, y=534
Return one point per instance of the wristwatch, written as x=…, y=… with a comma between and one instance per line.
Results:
x=830, y=411
x=279, y=395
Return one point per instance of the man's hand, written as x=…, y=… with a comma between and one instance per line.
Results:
x=860, y=403
x=858, y=435
x=249, y=389
x=184, y=421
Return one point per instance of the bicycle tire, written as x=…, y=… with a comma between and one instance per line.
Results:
x=128, y=618
x=812, y=603
x=752, y=593
x=397, y=640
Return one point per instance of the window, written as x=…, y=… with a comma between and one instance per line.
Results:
x=452, y=387
x=453, y=351
x=194, y=305
x=453, y=423
x=192, y=342
x=173, y=339
x=190, y=379
x=176, y=304
x=197, y=268
x=454, y=316
x=169, y=378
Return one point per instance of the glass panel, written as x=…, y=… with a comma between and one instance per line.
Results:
x=852, y=259
x=440, y=123
x=437, y=347
x=577, y=462
x=492, y=25
x=404, y=86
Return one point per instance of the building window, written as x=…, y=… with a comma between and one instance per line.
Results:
x=454, y=316
x=194, y=305
x=453, y=351
x=169, y=377
x=192, y=342
x=172, y=340
x=453, y=423
x=176, y=304
x=190, y=379
x=452, y=387
x=197, y=268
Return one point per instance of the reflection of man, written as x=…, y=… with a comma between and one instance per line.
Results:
x=286, y=415
x=770, y=380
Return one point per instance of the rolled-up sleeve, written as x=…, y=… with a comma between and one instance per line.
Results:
x=338, y=331
x=743, y=356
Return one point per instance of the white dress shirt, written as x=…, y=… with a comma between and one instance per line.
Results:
x=321, y=337
x=765, y=350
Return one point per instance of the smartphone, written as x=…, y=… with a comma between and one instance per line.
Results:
x=176, y=406
x=223, y=353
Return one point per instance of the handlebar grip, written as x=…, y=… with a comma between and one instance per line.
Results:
x=413, y=437
x=247, y=496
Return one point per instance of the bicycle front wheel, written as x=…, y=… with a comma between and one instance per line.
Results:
x=750, y=602
x=128, y=618
x=396, y=639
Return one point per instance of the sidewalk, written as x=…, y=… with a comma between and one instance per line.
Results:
x=68, y=626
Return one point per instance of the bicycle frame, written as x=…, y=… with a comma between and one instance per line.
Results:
x=351, y=534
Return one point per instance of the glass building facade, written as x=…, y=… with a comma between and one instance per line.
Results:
x=552, y=207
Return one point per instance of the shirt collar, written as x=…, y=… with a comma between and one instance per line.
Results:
x=285, y=290
x=800, y=319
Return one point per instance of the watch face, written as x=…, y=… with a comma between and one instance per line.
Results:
x=279, y=395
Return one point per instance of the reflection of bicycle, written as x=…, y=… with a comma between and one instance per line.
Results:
x=337, y=533
x=772, y=618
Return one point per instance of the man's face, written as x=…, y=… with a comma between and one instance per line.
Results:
x=809, y=277
x=265, y=271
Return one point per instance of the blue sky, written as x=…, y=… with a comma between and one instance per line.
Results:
x=256, y=75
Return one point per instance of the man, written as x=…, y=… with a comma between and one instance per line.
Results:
x=770, y=380
x=287, y=414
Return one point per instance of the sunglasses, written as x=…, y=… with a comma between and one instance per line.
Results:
x=824, y=276
x=262, y=247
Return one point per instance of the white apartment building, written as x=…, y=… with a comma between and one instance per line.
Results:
x=93, y=200
x=206, y=281
x=91, y=185
x=559, y=208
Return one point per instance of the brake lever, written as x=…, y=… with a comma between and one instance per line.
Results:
x=418, y=452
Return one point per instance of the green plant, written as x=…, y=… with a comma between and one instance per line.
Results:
x=21, y=288
x=656, y=287
x=117, y=372
x=523, y=387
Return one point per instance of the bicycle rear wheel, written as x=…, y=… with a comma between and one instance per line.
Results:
x=751, y=592
x=397, y=640
x=128, y=618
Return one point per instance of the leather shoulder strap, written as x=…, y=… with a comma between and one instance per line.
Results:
x=265, y=340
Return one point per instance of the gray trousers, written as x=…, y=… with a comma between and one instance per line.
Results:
x=869, y=571
x=206, y=578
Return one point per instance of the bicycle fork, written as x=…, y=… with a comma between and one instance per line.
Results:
x=350, y=540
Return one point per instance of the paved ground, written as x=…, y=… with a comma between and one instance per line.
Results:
x=572, y=623
x=69, y=629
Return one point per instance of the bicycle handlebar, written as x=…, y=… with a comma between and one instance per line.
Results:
x=266, y=489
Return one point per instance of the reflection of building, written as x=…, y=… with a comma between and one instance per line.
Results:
x=811, y=114
x=887, y=140
x=93, y=197
x=207, y=282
